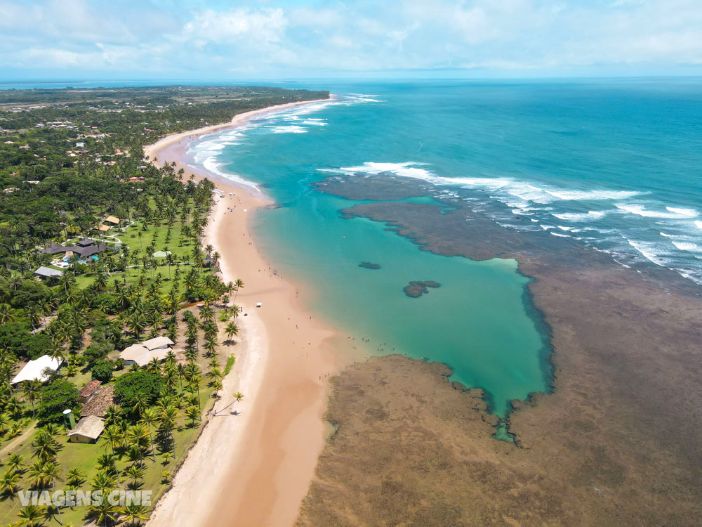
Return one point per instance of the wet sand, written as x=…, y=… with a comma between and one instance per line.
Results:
x=254, y=469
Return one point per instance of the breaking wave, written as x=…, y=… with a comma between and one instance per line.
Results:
x=632, y=230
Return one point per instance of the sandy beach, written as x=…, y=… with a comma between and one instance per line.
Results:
x=254, y=469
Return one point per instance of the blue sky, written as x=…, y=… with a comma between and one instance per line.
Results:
x=232, y=40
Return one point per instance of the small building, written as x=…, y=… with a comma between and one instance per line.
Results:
x=141, y=355
x=104, y=228
x=38, y=370
x=89, y=390
x=87, y=430
x=99, y=402
x=48, y=272
x=157, y=343
x=114, y=220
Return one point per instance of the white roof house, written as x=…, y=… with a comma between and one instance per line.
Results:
x=48, y=272
x=141, y=355
x=36, y=370
x=157, y=343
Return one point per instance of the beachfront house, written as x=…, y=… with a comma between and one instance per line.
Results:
x=39, y=369
x=141, y=354
x=87, y=430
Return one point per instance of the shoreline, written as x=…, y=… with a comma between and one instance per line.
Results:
x=265, y=457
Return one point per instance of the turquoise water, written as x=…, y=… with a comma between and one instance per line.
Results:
x=476, y=322
x=614, y=166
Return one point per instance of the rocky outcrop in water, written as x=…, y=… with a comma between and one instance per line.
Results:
x=417, y=288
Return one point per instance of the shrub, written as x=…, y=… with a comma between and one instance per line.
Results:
x=102, y=370
x=56, y=397
x=136, y=390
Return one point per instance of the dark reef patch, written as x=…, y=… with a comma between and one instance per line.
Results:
x=417, y=288
x=412, y=448
x=626, y=375
x=382, y=188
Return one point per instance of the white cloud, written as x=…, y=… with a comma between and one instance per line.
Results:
x=267, y=25
x=304, y=37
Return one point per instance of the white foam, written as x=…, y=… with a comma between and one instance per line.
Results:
x=213, y=167
x=292, y=129
x=408, y=169
x=314, y=121
x=698, y=224
x=584, y=216
x=673, y=213
x=515, y=193
x=686, y=213
x=649, y=251
x=592, y=195
x=687, y=246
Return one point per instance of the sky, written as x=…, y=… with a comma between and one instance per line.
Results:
x=288, y=39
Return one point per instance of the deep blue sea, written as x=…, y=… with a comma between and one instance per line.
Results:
x=615, y=165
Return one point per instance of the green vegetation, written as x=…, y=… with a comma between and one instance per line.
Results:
x=70, y=159
x=56, y=397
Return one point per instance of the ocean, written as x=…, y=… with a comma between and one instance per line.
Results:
x=614, y=165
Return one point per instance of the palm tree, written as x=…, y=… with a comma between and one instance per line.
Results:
x=104, y=513
x=9, y=483
x=5, y=313
x=193, y=413
x=231, y=330
x=135, y=515
x=74, y=478
x=31, y=391
x=113, y=416
x=15, y=463
x=149, y=419
x=101, y=278
x=103, y=481
x=45, y=446
x=31, y=516
x=139, y=437
x=113, y=436
x=135, y=473
x=52, y=512
x=43, y=474
x=238, y=284
x=107, y=463
x=136, y=322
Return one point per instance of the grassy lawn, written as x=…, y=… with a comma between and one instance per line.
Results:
x=84, y=457
x=139, y=240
